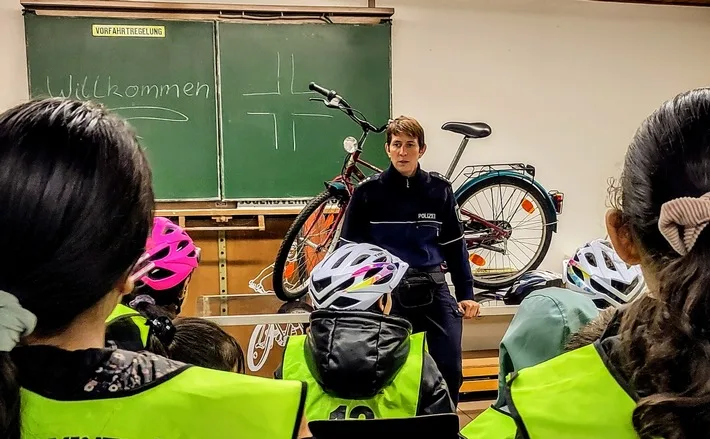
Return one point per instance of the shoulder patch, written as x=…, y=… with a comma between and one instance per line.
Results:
x=439, y=176
x=373, y=177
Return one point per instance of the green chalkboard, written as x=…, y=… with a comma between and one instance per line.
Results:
x=160, y=75
x=276, y=143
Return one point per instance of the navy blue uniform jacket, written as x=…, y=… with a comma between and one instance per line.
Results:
x=414, y=218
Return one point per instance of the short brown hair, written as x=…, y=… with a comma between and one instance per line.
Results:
x=405, y=125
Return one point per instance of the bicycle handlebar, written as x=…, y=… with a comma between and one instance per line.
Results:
x=336, y=101
x=330, y=94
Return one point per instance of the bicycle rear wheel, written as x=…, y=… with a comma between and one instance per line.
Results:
x=517, y=206
x=312, y=235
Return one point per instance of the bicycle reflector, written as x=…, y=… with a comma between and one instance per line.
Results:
x=558, y=199
x=527, y=205
x=477, y=260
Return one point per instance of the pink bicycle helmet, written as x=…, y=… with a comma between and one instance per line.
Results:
x=171, y=253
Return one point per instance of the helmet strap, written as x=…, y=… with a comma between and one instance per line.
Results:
x=385, y=302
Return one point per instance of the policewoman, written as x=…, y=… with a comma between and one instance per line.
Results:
x=413, y=214
x=76, y=234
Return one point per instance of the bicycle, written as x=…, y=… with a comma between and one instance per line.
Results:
x=488, y=232
x=263, y=338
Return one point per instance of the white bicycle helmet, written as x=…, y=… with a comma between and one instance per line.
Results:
x=599, y=273
x=354, y=277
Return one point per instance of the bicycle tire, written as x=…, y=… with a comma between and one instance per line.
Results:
x=548, y=215
x=283, y=252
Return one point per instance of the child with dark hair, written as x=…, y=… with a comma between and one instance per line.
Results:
x=142, y=320
x=76, y=205
x=203, y=343
x=647, y=374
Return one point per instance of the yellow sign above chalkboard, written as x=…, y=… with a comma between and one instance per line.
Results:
x=126, y=30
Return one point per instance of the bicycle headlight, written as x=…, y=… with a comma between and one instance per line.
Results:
x=350, y=144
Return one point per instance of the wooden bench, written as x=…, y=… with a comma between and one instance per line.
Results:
x=480, y=371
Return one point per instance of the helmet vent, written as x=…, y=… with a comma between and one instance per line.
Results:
x=160, y=254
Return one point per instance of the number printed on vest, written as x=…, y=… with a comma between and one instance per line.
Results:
x=358, y=412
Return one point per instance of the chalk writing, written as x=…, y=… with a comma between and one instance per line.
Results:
x=278, y=93
x=276, y=126
x=293, y=123
x=84, y=87
x=151, y=113
x=278, y=81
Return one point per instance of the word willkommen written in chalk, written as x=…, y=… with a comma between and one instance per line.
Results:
x=125, y=30
x=83, y=87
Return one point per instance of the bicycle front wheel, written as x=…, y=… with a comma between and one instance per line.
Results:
x=508, y=226
x=310, y=238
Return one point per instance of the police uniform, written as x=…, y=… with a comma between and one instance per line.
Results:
x=416, y=219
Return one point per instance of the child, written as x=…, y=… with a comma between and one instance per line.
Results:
x=159, y=293
x=205, y=344
x=76, y=204
x=357, y=360
x=647, y=374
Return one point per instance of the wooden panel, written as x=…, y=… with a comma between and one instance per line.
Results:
x=663, y=2
x=478, y=371
x=214, y=8
x=248, y=253
x=479, y=386
x=205, y=279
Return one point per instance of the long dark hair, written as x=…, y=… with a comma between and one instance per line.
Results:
x=75, y=209
x=665, y=336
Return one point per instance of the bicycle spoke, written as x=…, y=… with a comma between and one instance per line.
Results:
x=512, y=241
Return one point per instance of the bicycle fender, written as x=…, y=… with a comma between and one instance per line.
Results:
x=337, y=189
x=516, y=175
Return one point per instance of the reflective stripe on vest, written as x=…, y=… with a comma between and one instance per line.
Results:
x=399, y=399
x=124, y=312
x=572, y=396
x=195, y=403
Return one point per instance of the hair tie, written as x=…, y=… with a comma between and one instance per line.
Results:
x=15, y=321
x=142, y=298
x=163, y=328
x=682, y=220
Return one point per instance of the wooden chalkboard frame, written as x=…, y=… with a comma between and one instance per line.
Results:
x=124, y=9
x=219, y=13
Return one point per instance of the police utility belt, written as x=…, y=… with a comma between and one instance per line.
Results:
x=418, y=287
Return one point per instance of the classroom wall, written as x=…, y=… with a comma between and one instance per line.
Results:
x=563, y=83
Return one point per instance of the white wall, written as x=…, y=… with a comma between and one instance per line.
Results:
x=563, y=83
x=13, y=63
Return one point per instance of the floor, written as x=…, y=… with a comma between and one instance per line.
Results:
x=469, y=409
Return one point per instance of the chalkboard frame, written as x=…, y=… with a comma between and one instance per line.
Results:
x=216, y=13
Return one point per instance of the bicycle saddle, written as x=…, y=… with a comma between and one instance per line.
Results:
x=476, y=130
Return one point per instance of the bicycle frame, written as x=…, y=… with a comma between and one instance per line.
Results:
x=346, y=182
x=343, y=185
